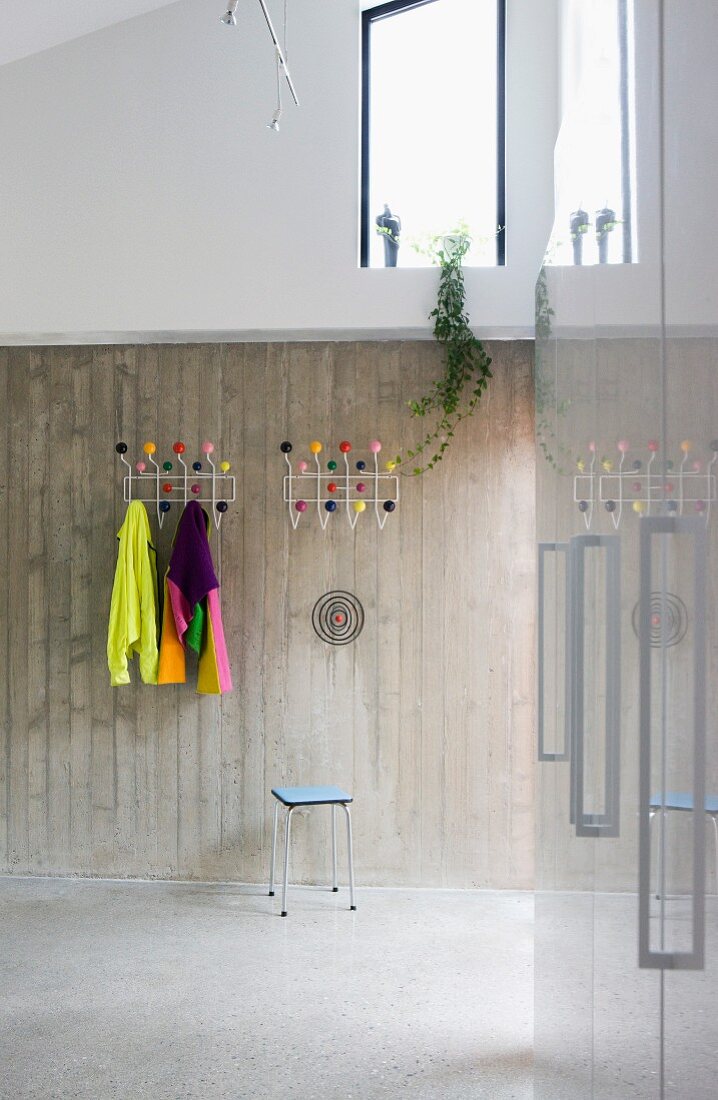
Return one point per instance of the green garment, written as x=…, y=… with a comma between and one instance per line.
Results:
x=195, y=630
x=134, y=618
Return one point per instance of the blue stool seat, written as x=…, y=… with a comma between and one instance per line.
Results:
x=678, y=800
x=311, y=796
x=293, y=797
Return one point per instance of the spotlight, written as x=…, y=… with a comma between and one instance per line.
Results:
x=274, y=124
x=229, y=18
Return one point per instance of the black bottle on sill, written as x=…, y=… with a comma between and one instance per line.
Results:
x=579, y=227
x=389, y=225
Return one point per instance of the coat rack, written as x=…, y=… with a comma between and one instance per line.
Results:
x=334, y=491
x=157, y=485
x=653, y=487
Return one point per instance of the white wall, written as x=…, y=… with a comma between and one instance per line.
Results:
x=141, y=193
x=29, y=28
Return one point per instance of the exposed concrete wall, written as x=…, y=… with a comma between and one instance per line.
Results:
x=427, y=718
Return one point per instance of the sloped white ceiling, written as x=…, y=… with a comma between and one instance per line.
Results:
x=29, y=26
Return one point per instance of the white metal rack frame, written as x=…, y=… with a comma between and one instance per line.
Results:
x=334, y=491
x=655, y=487
x=163, y=486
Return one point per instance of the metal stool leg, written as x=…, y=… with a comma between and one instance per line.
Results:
x=661, y=852
x=715, y=832
x=661, y=836
x=351, y=856
x=335, y=884
x=651, y=819
x=274, y=850
x=286, y=859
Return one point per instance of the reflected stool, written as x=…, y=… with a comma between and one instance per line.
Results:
x=681, y=802
x=294, y=797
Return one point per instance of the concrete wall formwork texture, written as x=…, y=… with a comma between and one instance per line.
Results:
x=427, y=718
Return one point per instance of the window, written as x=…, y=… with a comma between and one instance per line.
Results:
x=433, y=132
x=594, y=153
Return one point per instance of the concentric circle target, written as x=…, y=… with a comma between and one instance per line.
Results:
x=338, y=618
x=671, y=631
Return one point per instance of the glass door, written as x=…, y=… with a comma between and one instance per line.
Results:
x=627, y=454
x=684, y=766
x=599, y=401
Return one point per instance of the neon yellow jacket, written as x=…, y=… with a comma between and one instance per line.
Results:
x=134, y=617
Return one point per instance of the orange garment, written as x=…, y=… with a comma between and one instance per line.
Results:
x=172, y=669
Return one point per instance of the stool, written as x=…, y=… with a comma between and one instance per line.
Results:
x=291, y=798
x=681, y=801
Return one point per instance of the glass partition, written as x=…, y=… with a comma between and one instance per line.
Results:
x=627, y=454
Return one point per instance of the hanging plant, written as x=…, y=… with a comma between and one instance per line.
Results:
x=548, y=409
x=455, y=395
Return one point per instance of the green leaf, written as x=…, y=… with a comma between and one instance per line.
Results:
x=456, y=393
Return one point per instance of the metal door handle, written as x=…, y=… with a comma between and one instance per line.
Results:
x=648, y=958
x=607, y=822
x=545, y=548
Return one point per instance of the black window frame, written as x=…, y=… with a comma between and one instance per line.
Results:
x=398, y=7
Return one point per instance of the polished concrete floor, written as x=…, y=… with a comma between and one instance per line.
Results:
x=166, y=990
x=600, y=1021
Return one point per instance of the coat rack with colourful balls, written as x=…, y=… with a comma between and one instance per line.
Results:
x=353, y=487
x=646, y=486
x=212, y=484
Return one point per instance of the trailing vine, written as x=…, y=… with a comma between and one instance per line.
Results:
x=455, y=395
x=548, y=409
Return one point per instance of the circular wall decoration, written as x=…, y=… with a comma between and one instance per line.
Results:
x=338, y=618
x=676, y=623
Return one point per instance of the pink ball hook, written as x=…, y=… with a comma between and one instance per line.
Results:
x=207, y=448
